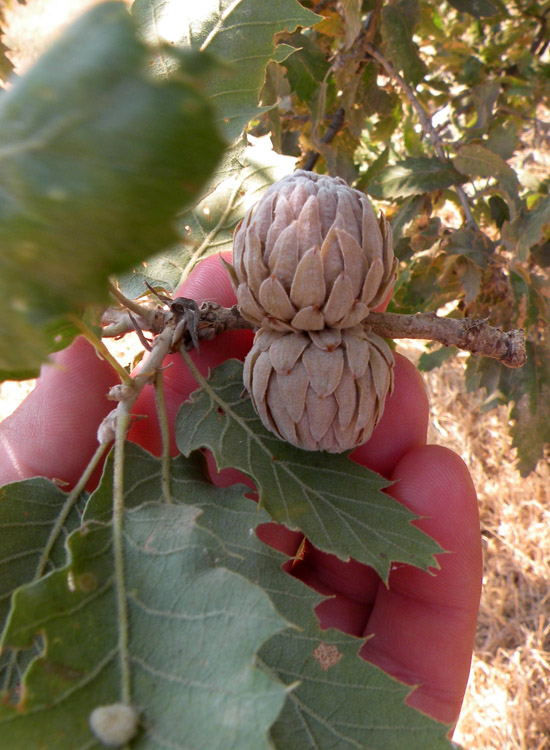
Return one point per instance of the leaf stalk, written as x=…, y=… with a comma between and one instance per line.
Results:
x=122, y=426
x=160, y=403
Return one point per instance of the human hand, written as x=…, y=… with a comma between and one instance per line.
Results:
x=422, y=625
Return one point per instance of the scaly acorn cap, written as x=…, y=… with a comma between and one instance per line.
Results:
x=321, y=390
x=311, y=255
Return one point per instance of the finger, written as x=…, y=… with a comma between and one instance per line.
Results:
x=423, y=624
x=404, y=423
x=54, y=431
x=352, y=586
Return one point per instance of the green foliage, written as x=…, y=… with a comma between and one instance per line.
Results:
x=113, y=154
x=307, y=720
x=240, y=37
x=430, y=360
x=242, y=175
x=91, y=176
x=241, y=34
x=442, y=104
x=413, y=176
x=28, y=515
x=6, y=65
x=191, y=635
x=204, y=595
x=336, y=503
x=399, y=21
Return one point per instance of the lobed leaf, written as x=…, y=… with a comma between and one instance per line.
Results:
x=239, y=33
x=473, y=244
x=371, y=710
x=194, y=628
x=306, y=69
x=91, y=176
x=352, y=20
x=475, y=160
x=6, y=65
x=29, y=513
x=244, y=173
x=399, y=19
x=530, y=430
x=476, y=8
x=33, y=531
x=529, y=390
x=430, y=360
x=412, y=176
x=337, y=699
x=335, y=502
x=527, y=229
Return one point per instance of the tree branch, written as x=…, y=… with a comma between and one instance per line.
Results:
x=425, y=121
x=475, y=336
x=329, y=135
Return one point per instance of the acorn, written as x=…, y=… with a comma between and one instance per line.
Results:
x=310, y=261
x=311, y=254
x=319, y=390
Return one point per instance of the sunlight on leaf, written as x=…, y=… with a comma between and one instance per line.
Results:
x=412, y=176
x=245, y=172
x=239, y=33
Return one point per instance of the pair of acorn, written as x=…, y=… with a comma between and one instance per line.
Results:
x=310, y=261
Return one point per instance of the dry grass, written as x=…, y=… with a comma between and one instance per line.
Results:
x=507, y=705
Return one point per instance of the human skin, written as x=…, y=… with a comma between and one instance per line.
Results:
x=421, y=625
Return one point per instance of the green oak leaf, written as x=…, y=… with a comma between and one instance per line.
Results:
x=476, y=8
x=96, y=160
x=399, y=19
x=6, y=65
x=529, y=389
x=243, y=175
x=528, y=229
x=335, y=502
x=241, y=34
x=339, y=699
x=30, y=519
x=371, y=710
x=413, y=176
x=193, y=630
x=431, y=360
x=474, y=160
x=34, y=524
x=306, y=69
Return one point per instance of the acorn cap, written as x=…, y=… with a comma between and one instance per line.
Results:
x=311, y=254
x=321, y=390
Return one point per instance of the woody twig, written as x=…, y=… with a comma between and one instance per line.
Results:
x=472, y=335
